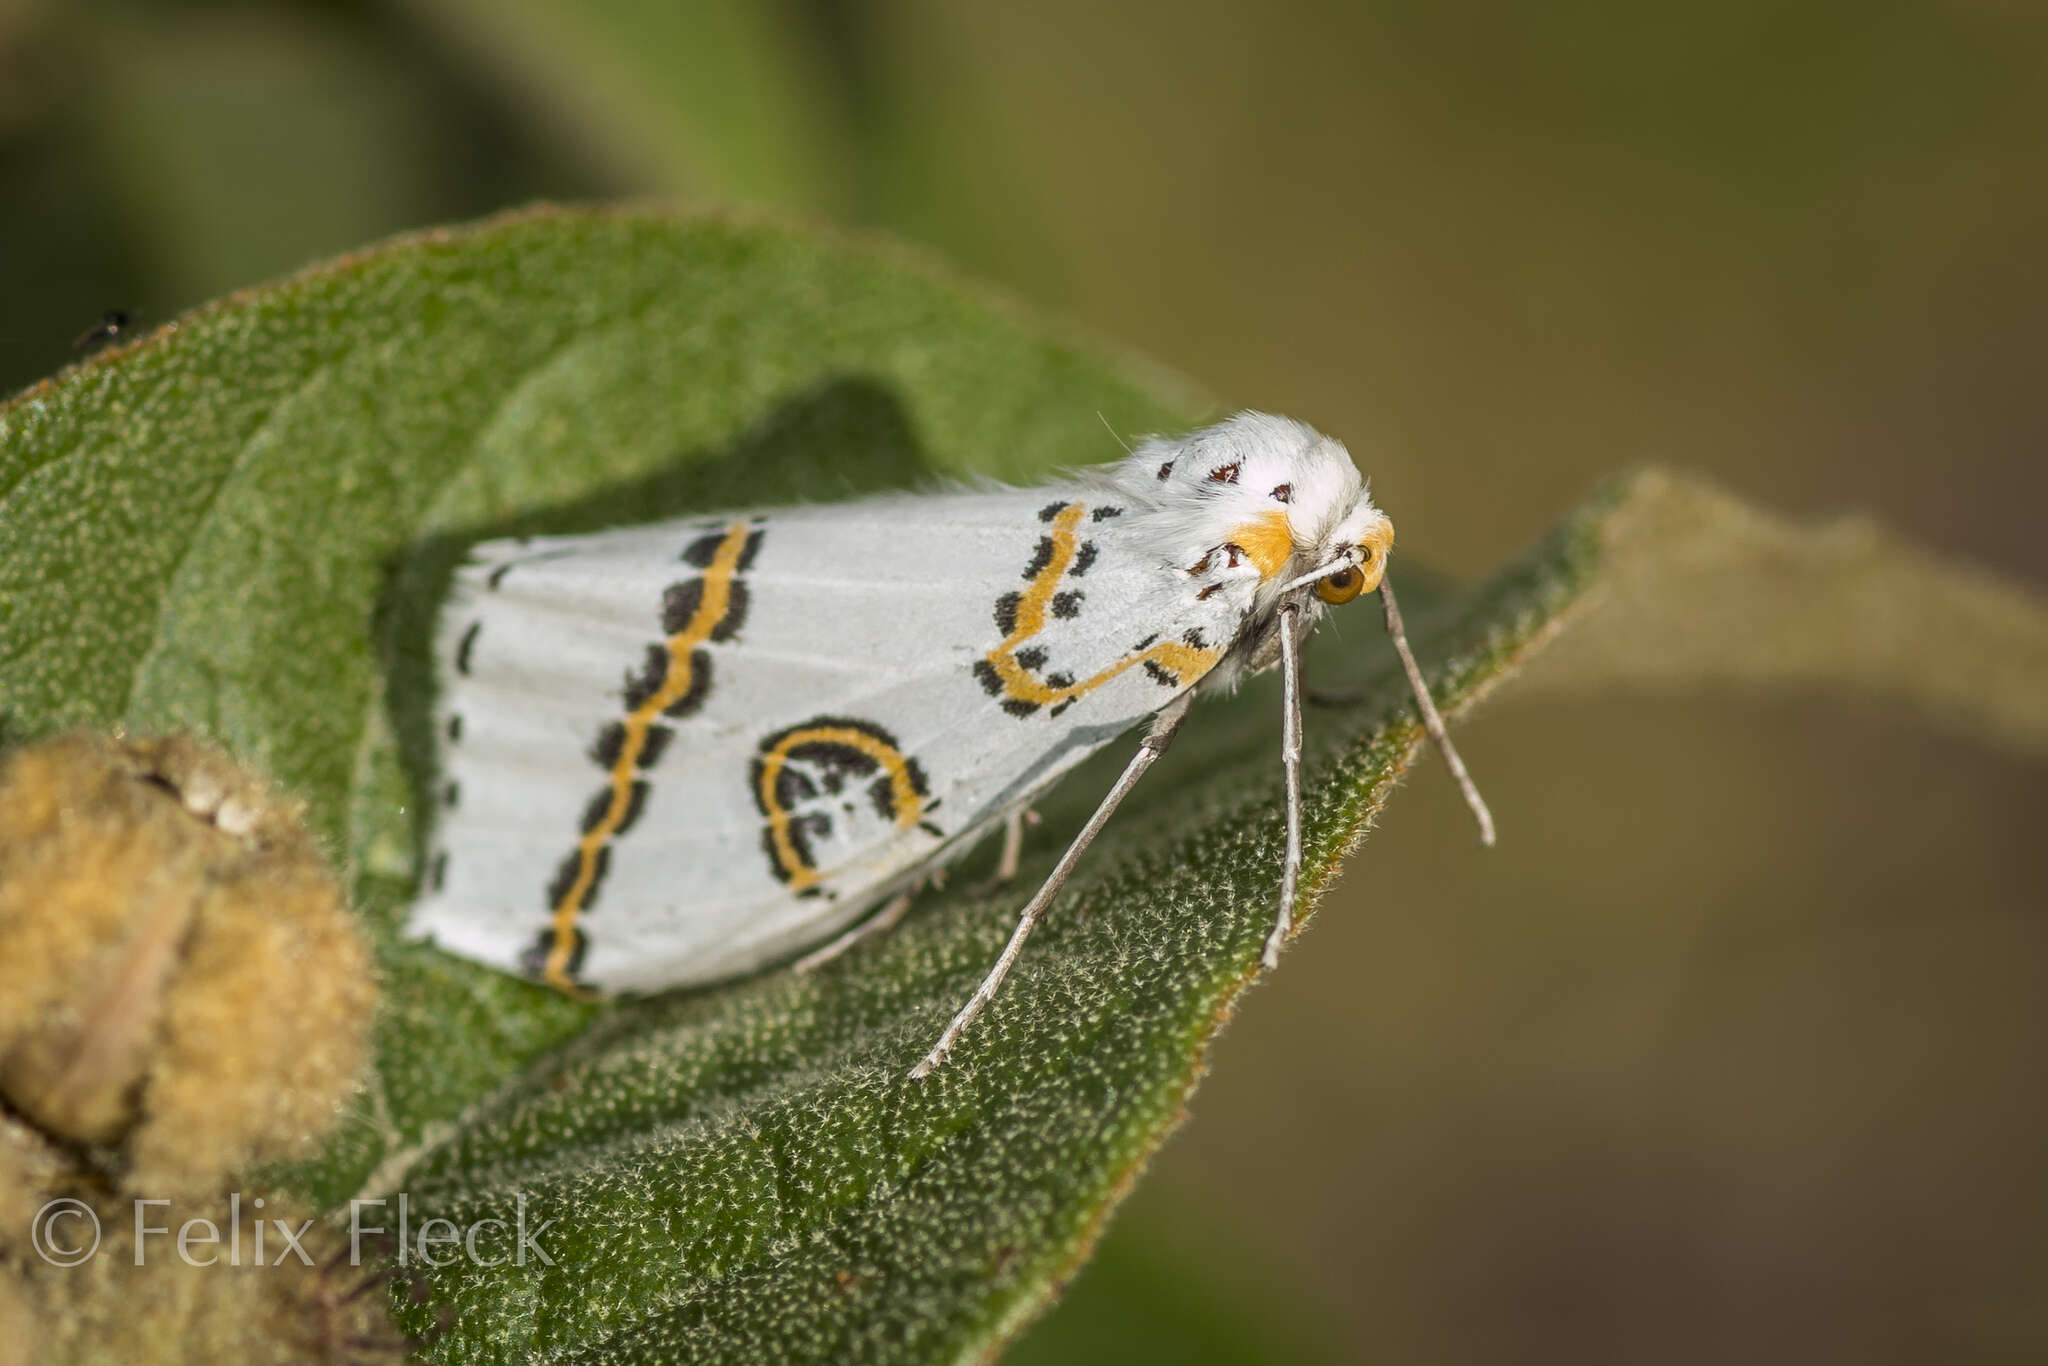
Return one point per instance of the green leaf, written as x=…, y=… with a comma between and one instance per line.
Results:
x=243, y=525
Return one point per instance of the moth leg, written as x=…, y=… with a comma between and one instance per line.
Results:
x=1164, y=726
x=888, y=918
x=1013, y=851
x=1290, y=767
x=1013, y=847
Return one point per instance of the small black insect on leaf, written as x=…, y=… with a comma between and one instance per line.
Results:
x=107, y=330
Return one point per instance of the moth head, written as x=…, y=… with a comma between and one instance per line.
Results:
x=1268, y=501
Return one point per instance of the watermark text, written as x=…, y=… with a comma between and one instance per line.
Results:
x=68, y=1232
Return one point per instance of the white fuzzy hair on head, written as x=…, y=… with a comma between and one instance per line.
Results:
x=1201, y=489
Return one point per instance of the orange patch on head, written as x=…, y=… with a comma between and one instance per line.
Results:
x=1267, y=541
x=1377, y=541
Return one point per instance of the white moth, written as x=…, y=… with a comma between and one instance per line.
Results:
x=821, y=705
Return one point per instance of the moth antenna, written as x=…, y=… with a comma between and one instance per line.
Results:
x=1432, y=720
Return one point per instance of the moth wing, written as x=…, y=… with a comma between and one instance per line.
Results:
x=679, y=752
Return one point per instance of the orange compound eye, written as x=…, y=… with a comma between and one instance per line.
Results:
x=1340, y=587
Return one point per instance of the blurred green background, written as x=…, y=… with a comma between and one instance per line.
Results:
x=1733, y=1048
